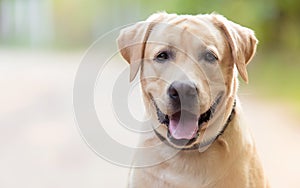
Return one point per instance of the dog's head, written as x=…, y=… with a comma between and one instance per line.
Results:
x=189, y=67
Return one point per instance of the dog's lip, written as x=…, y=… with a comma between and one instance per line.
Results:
x=204, y=117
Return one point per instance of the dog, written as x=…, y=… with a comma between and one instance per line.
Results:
x=189, y=66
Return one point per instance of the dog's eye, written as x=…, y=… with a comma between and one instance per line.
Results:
x=163, y=56
x=210, y=57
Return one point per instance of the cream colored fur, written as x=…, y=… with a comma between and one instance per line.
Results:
x=231, y=160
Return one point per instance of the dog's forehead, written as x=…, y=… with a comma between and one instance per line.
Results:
x=187, y=29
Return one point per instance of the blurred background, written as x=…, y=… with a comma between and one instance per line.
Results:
x=43, y=41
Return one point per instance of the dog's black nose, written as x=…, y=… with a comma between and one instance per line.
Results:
x=179, y=90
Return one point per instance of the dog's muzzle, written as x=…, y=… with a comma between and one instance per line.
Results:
x=184, y=123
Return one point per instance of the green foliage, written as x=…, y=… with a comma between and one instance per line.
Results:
x=276, y=75
x=78, y=22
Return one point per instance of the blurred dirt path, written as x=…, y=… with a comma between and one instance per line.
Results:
x=41, y=147
x=277, y=134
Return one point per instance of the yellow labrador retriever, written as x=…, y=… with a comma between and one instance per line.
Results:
x=188, y=72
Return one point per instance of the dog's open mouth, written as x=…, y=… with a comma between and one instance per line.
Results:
x=183, y=126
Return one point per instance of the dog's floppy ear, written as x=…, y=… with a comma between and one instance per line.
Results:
x=132, y=42
x=241, y=40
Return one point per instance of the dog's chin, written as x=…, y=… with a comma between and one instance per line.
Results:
x=182, y=143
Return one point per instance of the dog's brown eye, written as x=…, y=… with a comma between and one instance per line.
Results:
x=163, y=56
x=210, y=57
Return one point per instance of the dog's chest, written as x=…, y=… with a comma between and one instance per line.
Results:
x=174, y=173
x=184, y=178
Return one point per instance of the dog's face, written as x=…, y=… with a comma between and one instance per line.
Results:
x=188, y=72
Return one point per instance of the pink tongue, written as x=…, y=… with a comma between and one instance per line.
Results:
x=183, y=126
